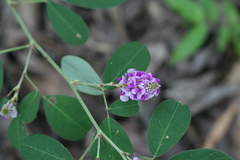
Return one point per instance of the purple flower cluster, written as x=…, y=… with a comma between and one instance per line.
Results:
x=8, y=110
x=138, y=85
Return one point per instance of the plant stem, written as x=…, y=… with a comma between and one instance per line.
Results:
x=31, y=82
x=105, y=102
x=14, y=49
x=17, y=87
x=89, y=147
x=27, y=1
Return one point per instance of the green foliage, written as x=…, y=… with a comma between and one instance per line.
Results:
x=78, y=69
x=190, y=43
x=67, y=24
x=41, y=147
x=28, y=107
x=66, y=117
x=1, y=75
x=124, y=109
x=131, y=55
x=16, y=133
x=117, y=134
x=210, y=10
x=96, y=3
x=168, y=124
x=185, y=7
x=223, y=38
x=201, y=154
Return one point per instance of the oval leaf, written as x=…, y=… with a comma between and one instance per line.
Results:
x=41, y=147
x=78, y=69
x=28, y=107
x=66, y=117
x=96, y=3
x=16, y=133
x=201, y=154
x=189, y=44
x=131, y=55
x=117, y=134
x=1, y=75
x=210, y=8
x=168, y=124
x=124, y=109
x=67, y=24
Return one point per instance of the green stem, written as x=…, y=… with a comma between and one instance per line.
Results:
x=31, y=82
x=98, y=147
x=27, y=1
x=58, y=69
x=89, y=147
x=17, y=87
x=147, y=158
x=105, y=102
x=14, y=49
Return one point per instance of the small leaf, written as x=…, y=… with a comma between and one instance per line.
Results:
x=28, y=107
x=16, y=133
x=67, y=24
x=124, y=109
x=66, y=117
x=117, y=134
x=188, y=9
x=201, y=154
x=3, y=100
x=1, y=75
x=96, y=3
x=189, y=44
x=78, y=69
x=131, y=55
x=223, y=38
x=231, y=13
x=168, y=124
x=41, y=147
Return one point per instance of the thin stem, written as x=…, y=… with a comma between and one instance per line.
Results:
x=147, y=158
x=14, y=49
x=17, y=87
x=89, y=147
x=27, y=1
x=98, y=147
x=31, y=82
x=105, y=102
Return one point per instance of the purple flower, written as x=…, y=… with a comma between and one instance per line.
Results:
x=8, y=110
x=134, y=157
x=138, y=85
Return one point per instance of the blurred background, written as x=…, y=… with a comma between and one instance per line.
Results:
x=194, y=47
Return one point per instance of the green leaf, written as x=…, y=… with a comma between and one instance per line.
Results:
x=124, y=109
x=66, y=117
x=41, y=147
x=188, y=9
x=201, y=154
x=168, y=124
x=231, y=13
x=67, y=24
x=16, y=133
x=131, y=55
x=119, y=137
x=78, y=69
x=223, y=38
x=189, y=44
x=96, y=3
x=210, y=9
x=28, y=107
x=3, y=100
x=1, y=75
